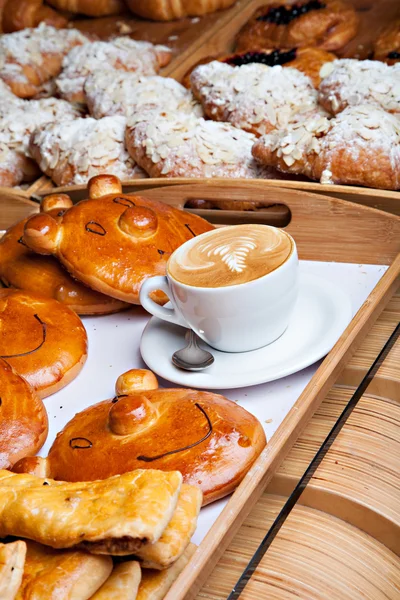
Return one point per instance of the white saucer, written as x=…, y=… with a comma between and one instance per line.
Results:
x=322, y=313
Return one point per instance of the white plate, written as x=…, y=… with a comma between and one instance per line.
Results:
x=322, y=313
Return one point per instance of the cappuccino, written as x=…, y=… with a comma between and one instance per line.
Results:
x=231, y=256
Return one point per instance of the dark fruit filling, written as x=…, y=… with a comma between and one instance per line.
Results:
x=276, y=57
x=394, y=55
x=283, y=15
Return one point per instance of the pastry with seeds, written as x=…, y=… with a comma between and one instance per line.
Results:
x=360, y=146
x=326, y=24
x=12, y=560
x=387, y=45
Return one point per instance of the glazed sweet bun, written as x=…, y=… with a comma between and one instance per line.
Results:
x=23, y=418
x=43, y=340
x=211, y=440
x=133, y=236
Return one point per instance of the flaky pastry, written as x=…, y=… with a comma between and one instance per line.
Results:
x=42, y=339
x=115, y=516
x=12, y=560
x=19, y=14
x=123, y=583
x=169, y=10
x=155, y=584
x=360, y=146
x=387, y=45
x=15, y=167
x=91, y=8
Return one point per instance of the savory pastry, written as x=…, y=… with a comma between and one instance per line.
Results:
x=116, y=516
x=133, y=235
x=19, y=14
x=72, y=152
x=12, y=559
x=42, y=339
x=123, y=93
x=141, y=430
x=169, y=10
x=123, y=583
x=62, y=574
x=29, y=58
x=187, y=146
x=23, y=269
x=387, y=45
x=350, y=82
x=253, y=97
x=307, y=60
x=120, y=53
x=155, y=584
x=15, y=167
x=328, y=25
x=23, y=418
x=91, y=8
x=360, y=146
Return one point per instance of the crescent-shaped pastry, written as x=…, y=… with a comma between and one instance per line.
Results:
x=42, y=339
x=155, y=584
x=169, y=10
x=133, y=237
x=91, y=8
x=15, y=167
x=23, y=418
x=387, y=45
x=19, y=14
x=12, y=560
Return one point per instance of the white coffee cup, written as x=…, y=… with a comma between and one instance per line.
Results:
x=233, y=318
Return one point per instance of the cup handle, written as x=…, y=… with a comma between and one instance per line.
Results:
x=166, y=314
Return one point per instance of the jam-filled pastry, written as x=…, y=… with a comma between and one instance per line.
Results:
x=72, y=152
x=12, y=561
x=115, y=516
x=360, y=146
x=19, y=14
x=123, y=93
x=387, y=45
x=42, y=339
x=123, y=583
x=326, y=24
x=140, y=429
x=253, y=97
x=350, y=82
x=23, y=269
x=169, y=10
x=133, y=235
x=187, y=146
x=307, y=60
x=31, y=57
x=91, y=8
x=120, y=53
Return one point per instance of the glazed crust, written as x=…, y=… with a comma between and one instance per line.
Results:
x=19, y=14
x=12, y=560
x=91, y=8
x=329, y=27
x=387, y=45
x=43, y=340
x=169, y=10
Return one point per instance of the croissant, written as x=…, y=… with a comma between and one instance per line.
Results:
x=168, y=10
x=19, y=14
x=91, y=8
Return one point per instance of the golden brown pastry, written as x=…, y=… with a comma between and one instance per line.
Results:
x=31, y=57
x=12, y=559
x=23, y=418
x=155, y=584
x=307, y=60
x=15, y=167
x=91, y=8
x=42, y=339
x=19, y=14
x=123, y=583
x=23, y=269
x=169, y=10
x=115, y=516
x=133, y=235
x=327, y=24
x=61, y=574
x=360, y=146
x=135, y=379
x=387, y=45
x=148, y=429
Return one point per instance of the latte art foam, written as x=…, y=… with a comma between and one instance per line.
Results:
x=230, y=256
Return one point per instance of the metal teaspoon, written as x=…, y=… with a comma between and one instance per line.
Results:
x=192, y=357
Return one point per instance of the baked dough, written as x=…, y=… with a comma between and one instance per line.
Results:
x=327, y=24
x=123, y=583
x=133, y=235
x=72, y=152
x=19, y=14
x=127, y=94
x=168, y=10
x=15, y=167
x=121, y=53
x=253, y=97
x=156, y=584
x=31, y=57
x=360, y=146
x=115, y=516
x=350, y=82
x=91, y=8
x=387, y=45
x=21, y=268
x=43, y=340
x=63, y=575
x=12, y=559
x=23, y=418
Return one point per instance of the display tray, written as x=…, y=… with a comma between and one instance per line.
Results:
x=356, y=247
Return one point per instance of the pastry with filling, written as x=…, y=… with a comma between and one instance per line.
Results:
x=123, y=583
x=387, y=45
x=134, y=236
x=156, y=584
x=121, y=53
x=42, y=339
x=360, y=146
x=326, y=24
x=19, y=14
x=91, y=8
x=169, y=10
x=23, y=418
x=12, y=559
x=115, y=516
